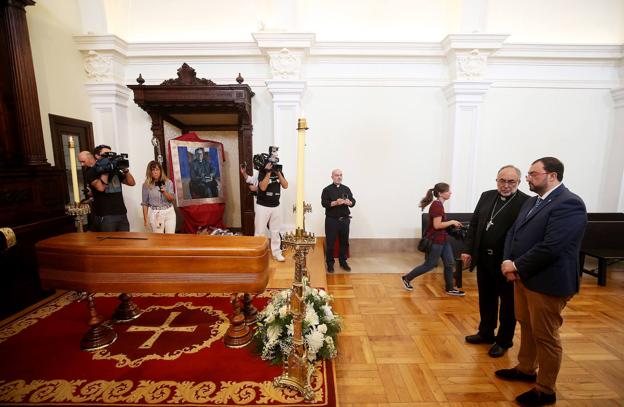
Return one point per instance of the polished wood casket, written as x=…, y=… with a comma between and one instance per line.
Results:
x=126, y=263
x=154, y=263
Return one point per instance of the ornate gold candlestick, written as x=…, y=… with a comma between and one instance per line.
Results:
x=297, y=369
x=78, y=211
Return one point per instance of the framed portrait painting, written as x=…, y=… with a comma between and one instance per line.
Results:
x=197, y=172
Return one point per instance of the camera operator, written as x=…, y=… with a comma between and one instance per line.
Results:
x=250, y=180
x=105, y=179
x=157, y=201
x=270, y=182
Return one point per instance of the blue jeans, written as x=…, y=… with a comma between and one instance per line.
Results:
x=112, y=223
x=431, y=260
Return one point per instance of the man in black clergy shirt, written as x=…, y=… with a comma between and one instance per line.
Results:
x=494, y=214
x=337, y=198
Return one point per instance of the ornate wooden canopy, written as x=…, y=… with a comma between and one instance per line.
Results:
x=192, y=103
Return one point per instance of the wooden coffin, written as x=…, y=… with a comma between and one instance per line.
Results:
x=151, y=262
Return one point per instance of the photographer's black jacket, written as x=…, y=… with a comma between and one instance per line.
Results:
x=109, y=202
x=270, y=197
x=331, y=193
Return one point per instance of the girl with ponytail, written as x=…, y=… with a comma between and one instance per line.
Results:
x=436, y=232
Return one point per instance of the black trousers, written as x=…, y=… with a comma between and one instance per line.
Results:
x=336, y=227
x=496, y=301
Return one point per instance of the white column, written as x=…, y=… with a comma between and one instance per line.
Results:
x=286, y=109
x=616, y=169
x=105, y=65
x=109, y=98
x=467, y=57
x=465, y=102
x=286, y=52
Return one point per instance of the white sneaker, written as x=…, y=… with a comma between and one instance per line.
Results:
x=279, y=257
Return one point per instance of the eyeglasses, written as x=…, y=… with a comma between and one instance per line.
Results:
x=534, y=174
x=510, y=182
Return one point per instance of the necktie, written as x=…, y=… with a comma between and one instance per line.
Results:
x=537, y=203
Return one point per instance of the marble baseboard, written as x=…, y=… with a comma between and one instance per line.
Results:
x=368, y=246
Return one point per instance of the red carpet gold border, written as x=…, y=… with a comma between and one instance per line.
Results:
x=151, y=392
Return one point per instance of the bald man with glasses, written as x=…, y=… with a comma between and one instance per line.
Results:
x=493, y=216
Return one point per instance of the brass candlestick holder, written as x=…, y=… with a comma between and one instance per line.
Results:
x=297, y=369
x=78, y=211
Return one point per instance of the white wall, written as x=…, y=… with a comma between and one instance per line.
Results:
x=522, y=125
x=387, y=142
x=374, y=90
x=58, y=64
x=552, y=21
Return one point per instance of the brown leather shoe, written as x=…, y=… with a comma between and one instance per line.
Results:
x=496, y=351
x=534, y=397
x=477, y=338
x=514, y=374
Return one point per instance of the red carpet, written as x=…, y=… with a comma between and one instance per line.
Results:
x=185, y=363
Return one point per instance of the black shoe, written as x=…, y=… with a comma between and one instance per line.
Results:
x=496, y=351
x=536, y=398
x=345, y=266
x=406, y=284
x=330, y=268
x=477, y=338
x=514, y=374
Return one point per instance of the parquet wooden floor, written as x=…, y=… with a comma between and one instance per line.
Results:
x=402, y=348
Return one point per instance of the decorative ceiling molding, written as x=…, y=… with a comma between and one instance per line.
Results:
x=416, y=64
x=210, y=50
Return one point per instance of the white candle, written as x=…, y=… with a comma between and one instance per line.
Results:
x=74, y=174
x=302, y=126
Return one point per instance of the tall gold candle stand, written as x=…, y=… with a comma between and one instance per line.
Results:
x=297, y=369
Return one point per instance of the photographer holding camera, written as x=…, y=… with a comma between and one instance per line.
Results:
x=157, y=201
x=436, y=232
x=270, y=181
x=105, y=178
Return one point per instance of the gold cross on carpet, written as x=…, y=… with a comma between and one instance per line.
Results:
x=159, y=330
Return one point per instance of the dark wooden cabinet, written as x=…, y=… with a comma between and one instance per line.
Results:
x=191, y=104
x=32, y=192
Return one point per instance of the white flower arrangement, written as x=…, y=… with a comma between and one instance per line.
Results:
x=274, y=332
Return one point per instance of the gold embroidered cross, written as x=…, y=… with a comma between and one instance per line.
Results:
x=159, y=330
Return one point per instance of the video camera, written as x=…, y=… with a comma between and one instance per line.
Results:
x=111, y=162
x=261, y=160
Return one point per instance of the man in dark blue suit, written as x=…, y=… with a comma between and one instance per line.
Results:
x=542, y=257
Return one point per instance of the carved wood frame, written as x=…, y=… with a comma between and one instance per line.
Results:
x=189, y=94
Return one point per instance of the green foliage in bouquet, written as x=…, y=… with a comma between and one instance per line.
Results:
x=274, y=333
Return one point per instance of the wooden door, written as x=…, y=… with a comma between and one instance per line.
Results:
x=82, y=132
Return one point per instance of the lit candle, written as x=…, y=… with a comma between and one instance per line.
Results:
x=302, y=126
x=74, y=174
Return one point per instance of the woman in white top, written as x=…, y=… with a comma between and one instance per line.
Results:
x=157, y=202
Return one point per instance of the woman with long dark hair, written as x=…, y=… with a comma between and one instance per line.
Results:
x=157, y=202
x=436, y=231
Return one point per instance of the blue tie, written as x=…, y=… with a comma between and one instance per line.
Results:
x=537, y=203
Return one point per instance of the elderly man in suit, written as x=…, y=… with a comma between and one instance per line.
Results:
x=494, y=214
x=542, y=258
